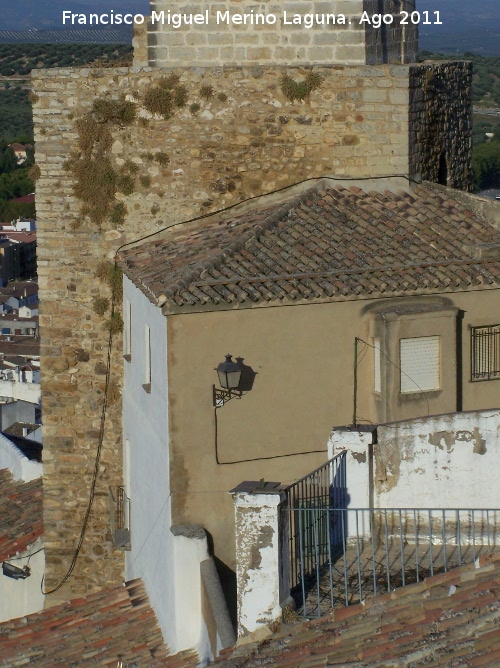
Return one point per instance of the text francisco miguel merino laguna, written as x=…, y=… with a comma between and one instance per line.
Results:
x=176, y=20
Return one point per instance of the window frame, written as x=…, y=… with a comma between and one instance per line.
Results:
x=475, y=376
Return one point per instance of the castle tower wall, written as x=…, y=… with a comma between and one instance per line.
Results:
x=281, y=32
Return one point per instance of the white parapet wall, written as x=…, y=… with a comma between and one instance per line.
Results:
x=442, y=461
x=20, y=466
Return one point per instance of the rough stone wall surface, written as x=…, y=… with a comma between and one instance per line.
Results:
x=396, y=42
x=275, y=38
x=441, y=123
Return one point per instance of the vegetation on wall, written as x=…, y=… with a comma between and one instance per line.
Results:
x=300, y=90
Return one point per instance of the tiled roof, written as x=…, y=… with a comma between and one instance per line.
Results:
x=99, y=630
x=450, y=619
x=21, y=521
x=328, y=242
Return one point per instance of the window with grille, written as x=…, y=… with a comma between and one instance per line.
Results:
x=420, y=364
x=485, y=352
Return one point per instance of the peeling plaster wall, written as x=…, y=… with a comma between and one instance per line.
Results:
x=257, y=559
x=437, y=462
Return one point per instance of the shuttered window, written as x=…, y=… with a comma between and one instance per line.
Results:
x=419, y=364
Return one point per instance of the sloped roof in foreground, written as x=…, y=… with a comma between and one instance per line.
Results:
x=452, y=619
x=99, y=630
x=21, y=514
x=324, y=241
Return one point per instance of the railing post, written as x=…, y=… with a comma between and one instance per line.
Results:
x=262, y=560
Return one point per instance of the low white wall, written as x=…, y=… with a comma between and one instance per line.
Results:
x=447, y=461
x=29, y=392
x=20, y=466
x=23, y=597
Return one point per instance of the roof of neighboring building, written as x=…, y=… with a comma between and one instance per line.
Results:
x=30, y=449
x=19, y=345
x=321, y=243
x=20, y=237
x=447, y=620
x=21, y=520
x=112, y=625
x=25, y=198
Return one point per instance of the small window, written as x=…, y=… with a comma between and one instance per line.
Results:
x=147, y=369
x=485, y=355
x=419, y=364
x=377, y=383
x=127, y=331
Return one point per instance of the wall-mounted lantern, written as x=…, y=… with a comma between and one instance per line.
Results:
x=229, y=373
x=14, y=572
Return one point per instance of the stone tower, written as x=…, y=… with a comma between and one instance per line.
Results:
x=250, y=108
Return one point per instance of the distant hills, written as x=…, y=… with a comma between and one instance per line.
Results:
x=468, y=25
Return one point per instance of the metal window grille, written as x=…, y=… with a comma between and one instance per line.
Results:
x=485, y=352
x=119, y=512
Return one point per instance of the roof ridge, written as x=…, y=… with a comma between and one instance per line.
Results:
x=270, y=221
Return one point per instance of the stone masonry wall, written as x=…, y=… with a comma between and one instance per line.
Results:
x=235, y=136
x=217, y=41
x=441, y=123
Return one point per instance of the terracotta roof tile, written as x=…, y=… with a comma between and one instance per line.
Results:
x=21, y=519
x=328, y=242
x=423, y=624
x=101, y=629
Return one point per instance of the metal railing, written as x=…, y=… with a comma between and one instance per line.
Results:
x=485, y=352
x=119, y=515
x=318, y=491
x=345, y=555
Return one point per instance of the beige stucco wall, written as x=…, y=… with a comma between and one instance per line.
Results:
x=303, y=356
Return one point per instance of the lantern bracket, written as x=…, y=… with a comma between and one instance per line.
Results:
x=222, y=396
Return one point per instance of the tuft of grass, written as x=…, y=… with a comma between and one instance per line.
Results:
x=222, y=97
x=300, y=90
x=93, y=135
x=194, y=108
x=125, y=184
x=34, y=173
x=116, y=112
x=162, y=158
x=180, y=96
x=118, y=213
x=155, y=209
x=95, y=184
x=145, y=180
x=206, y=91
x=115, y=323
x=159, y=100
x=100, y=305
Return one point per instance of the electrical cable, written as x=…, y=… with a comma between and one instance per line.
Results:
x=271, y=192
x=401, y=370
x=254, y=459
x=96, y=462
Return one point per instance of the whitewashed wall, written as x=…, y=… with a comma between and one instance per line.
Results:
x=23, y=597
x=436, y=462
x=20, y=466
x=168, y=564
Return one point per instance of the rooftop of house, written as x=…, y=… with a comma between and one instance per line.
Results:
x=112, y=625
x=449, y=619
x=21, y=520
x=322, y=242
x=30, y=449
x=19, y=346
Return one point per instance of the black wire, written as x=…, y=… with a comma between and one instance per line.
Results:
x=401, y=370
x=96, y=463
x=24, y=556
x=255, y=459
x=271, y=192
